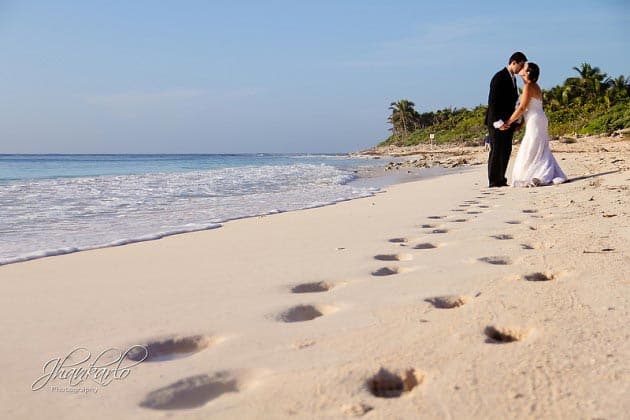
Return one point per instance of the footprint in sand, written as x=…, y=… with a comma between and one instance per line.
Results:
x=502, y=237
x=439, y=231
x=436, y=217
x=314, y=287
x=496, y=260
x=387, y=384
x=427, y=226
x=473, y=212
x=458, y=209
x=448, y=301
x=527, y=247
x=513, y=222
x=394, y=257
x=400, y=241
x=459, y=220
x=499, y=334
x=425, y=245
x=471, y=202
x=301, y=313
x=389, y=271
x=483, y=206
x=171, y=348
x=540, y=276
x=530, y=211
x=196, y=391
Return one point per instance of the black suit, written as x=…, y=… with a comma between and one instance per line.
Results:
x=501, y=103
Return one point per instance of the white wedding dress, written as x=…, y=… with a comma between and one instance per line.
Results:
x=534, y=164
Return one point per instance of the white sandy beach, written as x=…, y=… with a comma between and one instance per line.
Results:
x=547, y=267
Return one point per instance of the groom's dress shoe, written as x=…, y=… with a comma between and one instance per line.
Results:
x=504, y=184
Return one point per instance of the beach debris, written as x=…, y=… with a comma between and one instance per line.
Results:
x=603, y=250
x=302, y=344
x=448, y=301
x=356, y=410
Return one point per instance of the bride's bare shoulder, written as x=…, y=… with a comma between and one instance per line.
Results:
x=535, y=90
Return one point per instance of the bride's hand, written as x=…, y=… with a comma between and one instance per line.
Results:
x=504, y=127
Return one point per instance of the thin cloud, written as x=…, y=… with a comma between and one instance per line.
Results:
x=144, y=98
x=169, y=96
x=413, y=50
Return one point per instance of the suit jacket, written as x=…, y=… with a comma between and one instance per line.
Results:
x=502, y=97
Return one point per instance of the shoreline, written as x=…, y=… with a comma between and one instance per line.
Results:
x=490, y=303
x=377, y=177
x=408, y=164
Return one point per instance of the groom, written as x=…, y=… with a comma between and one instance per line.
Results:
x=501, y=103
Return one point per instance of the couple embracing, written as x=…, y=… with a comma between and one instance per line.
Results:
x=534, y=165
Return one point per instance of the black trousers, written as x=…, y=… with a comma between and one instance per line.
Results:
x=500, y=151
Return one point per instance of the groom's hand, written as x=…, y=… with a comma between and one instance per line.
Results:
x=504, y=127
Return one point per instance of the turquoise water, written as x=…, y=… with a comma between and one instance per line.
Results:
x=21, y=167
x=56, y=204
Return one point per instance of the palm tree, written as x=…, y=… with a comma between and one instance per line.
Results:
x=403, y=116
x=620, y=86
x=591, y=80
x=555, y=97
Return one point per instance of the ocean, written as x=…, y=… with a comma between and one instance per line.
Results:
x=57, y=204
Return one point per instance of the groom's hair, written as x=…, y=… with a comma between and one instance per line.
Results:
x=518, y=56
x=533, y=71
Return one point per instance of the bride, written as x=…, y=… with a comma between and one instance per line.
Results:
x=534, y=165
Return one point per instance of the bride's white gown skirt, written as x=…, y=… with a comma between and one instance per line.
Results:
x=535, y=164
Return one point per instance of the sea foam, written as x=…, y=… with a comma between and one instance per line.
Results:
x=43, y=217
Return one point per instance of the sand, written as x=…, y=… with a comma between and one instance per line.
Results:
x=438, y=298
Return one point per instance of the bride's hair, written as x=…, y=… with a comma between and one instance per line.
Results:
x=533, y=71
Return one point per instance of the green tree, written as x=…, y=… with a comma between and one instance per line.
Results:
x=589, y=103
x=591, y=81
x=403, y=118
x=617, y=89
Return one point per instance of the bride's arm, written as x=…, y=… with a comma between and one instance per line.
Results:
x=522, y=106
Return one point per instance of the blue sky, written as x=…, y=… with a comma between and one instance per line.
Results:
x=270, y=76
